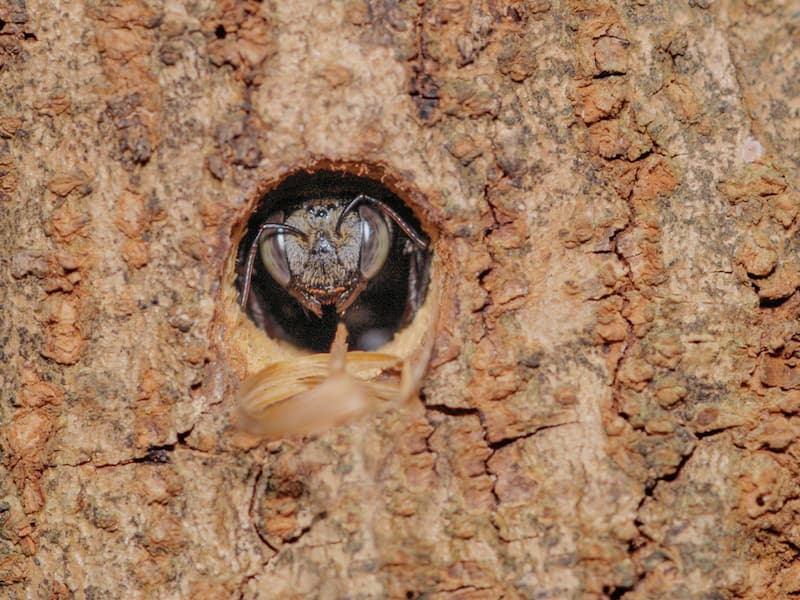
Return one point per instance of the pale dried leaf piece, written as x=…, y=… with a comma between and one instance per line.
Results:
x=311, y=394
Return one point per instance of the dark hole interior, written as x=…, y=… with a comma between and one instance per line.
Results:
x=387, y=303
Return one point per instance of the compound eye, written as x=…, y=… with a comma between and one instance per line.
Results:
x=375, y=241
x=273, y=252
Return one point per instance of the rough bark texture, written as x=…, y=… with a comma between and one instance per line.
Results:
x=613, y=406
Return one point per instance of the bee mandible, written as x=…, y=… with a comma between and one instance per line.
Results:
x=326, y=250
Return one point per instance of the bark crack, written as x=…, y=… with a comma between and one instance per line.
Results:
x=502, y=443
x=423, y=89
x=155, y=455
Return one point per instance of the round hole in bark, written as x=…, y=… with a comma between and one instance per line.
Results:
x=328, y=239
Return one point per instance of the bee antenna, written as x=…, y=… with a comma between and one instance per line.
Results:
x=251, y=255
x=389, y=212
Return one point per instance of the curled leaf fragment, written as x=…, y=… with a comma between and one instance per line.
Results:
x=311, y=394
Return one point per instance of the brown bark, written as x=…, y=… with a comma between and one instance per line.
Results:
x=613, y=404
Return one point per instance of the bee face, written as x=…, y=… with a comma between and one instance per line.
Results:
x=341, y=249
x=325, y=251
x=327, y=263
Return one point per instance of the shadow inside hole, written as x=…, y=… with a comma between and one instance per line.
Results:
x=386, y=305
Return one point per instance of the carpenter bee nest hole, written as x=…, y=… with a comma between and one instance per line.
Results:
x=335, y=295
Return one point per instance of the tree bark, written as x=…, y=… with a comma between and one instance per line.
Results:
x=611, y=408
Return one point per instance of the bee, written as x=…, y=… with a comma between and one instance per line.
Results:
x=326, y=250
x=327, y=257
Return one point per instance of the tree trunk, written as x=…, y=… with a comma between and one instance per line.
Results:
x=611, y=191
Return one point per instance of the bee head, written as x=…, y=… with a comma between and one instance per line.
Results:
x=322, y=250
